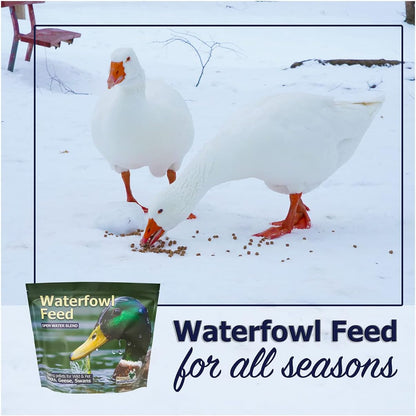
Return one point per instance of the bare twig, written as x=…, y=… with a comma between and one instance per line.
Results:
x=54, y=78
x=203, y=49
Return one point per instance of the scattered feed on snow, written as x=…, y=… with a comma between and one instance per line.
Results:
x=160, y=248
x=170, y=247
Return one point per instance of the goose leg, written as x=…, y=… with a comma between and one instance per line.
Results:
x=171, y=174
x=297, y=217
x=130, y=198
x=302, y=219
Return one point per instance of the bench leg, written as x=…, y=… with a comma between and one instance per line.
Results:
x=13, y=53
x=29, y=52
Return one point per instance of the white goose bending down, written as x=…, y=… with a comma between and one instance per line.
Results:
x=292, y=142
x=140, y=122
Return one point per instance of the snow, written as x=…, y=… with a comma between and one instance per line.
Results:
x=78, y=196
x=353, y=252
x=121, y=218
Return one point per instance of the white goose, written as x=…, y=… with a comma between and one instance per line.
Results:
x=292, y=142
x=140, y=122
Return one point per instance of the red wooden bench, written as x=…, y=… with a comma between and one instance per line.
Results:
x=42, y=37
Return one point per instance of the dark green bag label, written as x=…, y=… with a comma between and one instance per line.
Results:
x=93, y=337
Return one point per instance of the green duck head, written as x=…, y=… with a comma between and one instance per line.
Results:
x=127, y=319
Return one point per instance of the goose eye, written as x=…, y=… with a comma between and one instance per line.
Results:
x=160, y=211
x=128, y=59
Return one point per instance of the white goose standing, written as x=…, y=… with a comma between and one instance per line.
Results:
x=139, y=122
x=292, y=142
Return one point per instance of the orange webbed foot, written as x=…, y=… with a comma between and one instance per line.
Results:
x=297, y=217
x=132, y=199
x=302, y=222
x=273, y=232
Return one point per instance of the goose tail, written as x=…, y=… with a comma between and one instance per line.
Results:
x=370, y=107
x=373, y=105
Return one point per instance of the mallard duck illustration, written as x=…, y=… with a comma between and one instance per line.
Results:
x=128, y=320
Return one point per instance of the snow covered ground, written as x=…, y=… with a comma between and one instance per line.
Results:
x=78, y=197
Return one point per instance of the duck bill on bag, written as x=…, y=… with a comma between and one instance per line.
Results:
x=94, y=341
x=116, y=75
x=152, y=233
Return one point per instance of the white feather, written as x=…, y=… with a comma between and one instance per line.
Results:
x=141, y=123
x=293, y=142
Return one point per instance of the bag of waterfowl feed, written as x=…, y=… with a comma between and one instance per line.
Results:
x=93, y=337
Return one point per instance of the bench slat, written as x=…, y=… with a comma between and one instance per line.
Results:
x=50, y=37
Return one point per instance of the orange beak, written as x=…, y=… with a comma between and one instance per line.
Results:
x=117, y=74
x=152, y=233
